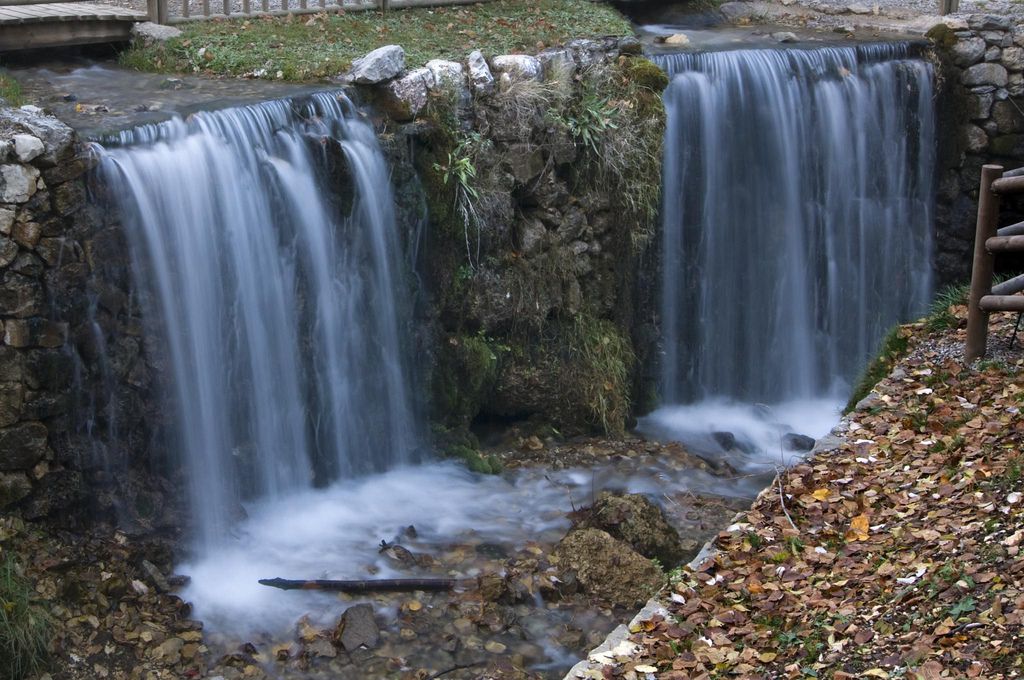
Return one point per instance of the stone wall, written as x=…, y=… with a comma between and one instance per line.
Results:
x=41, y=190
x=74, y=389
x=541, y=178
x=981, y=67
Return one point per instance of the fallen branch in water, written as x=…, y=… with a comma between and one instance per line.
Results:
x=389, y=585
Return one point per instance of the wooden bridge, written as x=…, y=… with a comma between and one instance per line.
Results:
x=32, y=24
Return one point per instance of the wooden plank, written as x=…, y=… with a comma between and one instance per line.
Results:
x=1010, y=286
x=1012, y=230
x=1008, y=185
x=981, y=268
x=17, y=3
x=1003, y=303
x=62, y=33
x=1005, y=244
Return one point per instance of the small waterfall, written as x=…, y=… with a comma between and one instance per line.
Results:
x=276, y=291
x=797, y=216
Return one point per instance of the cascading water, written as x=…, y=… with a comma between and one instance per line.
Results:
x=281, y=310
x=797, y=217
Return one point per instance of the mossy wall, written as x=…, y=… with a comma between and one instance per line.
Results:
x=542, y=195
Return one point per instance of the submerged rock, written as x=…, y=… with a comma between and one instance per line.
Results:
x=357, y=628
x=797, y=442
x=607, y=568
x=633, y=518
x=383, y=63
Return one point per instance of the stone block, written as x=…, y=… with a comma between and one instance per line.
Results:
x=22, y=446
x=17, y=183
x=985, y=74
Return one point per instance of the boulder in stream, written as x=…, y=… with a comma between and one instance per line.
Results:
x=634, y=519
x=607, y=568
x=797, y=442
x=357, y=628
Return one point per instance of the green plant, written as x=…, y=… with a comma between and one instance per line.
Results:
x=10, y=90
x=605, y=358
x=24, y=627
x=589, y=123
x=939, y=315
x=460, y=173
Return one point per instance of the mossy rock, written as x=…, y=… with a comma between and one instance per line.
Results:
x=633, y=518
x=607, y=568
x=645, y=73
x=465, y=375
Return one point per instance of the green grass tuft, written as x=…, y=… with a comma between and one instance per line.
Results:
x=311, y=47
x=940, y=317
x=10, y=90
x=24, y=628
x=894, y=346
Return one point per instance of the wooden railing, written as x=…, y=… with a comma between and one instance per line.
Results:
x=161, y=13
x=989, y=241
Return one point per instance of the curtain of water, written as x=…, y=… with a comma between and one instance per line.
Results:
x=280, y=306
x=797, y=216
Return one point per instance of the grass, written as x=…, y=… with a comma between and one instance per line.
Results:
x=24, y=629
x=894, y=346
x=10, y=90
x=311, y=47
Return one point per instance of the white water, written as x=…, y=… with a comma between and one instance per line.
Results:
x=281, y=312
x=334, y=533
x=797, y=229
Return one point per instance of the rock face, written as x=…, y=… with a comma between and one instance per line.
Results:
x=357, y=628
x=634, y=519
x=980, y=67
x=403, y=98
x=608, y=569
x=18, y=183
x=986, y=74
x=384, y=63
x=480, y=77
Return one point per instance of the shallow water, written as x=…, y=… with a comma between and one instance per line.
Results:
x=335, y=533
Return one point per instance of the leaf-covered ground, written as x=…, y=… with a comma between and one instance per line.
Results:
x=902, y=557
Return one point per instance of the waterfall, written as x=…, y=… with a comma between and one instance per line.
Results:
x=797, y=216
x=275, y=290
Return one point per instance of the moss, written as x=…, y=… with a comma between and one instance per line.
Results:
x=894, y=346
x=942, y=35
x=576, y=373
x=475, y=460
x=466, y=371
x=24, y=628
x=645, y=74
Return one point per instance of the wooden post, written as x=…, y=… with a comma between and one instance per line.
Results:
x=157, y=11
x=981, y=271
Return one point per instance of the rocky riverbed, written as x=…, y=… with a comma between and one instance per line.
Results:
x=521, y=608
